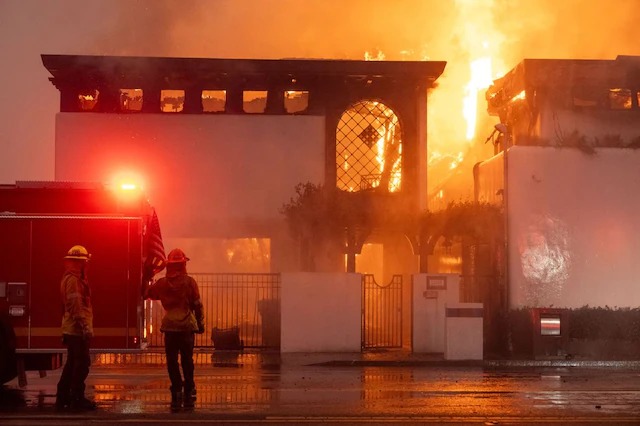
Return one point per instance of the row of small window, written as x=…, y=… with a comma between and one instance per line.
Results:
x=171, y=101
x=617, y=99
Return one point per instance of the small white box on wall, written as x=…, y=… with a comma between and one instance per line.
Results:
x=464, y=336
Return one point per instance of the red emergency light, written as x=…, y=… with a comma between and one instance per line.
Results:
x=128, y=186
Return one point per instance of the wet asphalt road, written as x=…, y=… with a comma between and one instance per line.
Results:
x=314, y=389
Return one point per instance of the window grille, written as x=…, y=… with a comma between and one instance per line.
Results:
x=369, y=148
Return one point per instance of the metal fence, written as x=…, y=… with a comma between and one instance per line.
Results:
x=241, y=311
x=381, y=313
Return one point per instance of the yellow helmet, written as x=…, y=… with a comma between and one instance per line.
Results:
x=78, y=253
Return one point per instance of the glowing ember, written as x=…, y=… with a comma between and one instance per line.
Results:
x=520, y=96
x=456, y=162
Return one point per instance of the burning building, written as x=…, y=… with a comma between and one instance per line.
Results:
x=565, y=170
x=221, y=145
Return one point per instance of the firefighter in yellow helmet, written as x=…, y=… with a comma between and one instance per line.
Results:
x=183, y=317
x=77, y=331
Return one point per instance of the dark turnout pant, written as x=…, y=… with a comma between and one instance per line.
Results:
x=76, y=368
x=180, y=342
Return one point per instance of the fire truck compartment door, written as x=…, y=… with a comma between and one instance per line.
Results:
x=34, y=248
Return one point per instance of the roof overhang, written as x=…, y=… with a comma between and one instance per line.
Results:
x=170, y=73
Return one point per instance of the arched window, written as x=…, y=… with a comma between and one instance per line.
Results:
x=368, y=148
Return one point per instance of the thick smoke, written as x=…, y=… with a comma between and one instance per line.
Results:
x=456, y=31
x=451, y=30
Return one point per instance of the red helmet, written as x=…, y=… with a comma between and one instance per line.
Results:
x=177, y=256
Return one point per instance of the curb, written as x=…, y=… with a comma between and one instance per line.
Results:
x=496, y=364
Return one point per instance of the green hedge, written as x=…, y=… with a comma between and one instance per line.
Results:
x=605, y=323
x=586, y=324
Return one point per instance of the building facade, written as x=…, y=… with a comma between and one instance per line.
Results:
x=566, y=168
x=221, y=144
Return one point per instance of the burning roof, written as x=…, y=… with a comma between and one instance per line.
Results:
x=591, y=78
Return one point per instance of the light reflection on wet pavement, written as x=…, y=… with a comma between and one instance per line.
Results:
x=287, y=385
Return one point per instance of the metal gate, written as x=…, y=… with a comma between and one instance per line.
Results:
x=381, y=313
x=240, y=307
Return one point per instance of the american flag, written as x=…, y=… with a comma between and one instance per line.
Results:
x=153, y=248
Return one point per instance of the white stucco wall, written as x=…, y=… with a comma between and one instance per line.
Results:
x=591, y=123
x=321, y=312
x=222, y=176
x=429, y=310
x=574, y=227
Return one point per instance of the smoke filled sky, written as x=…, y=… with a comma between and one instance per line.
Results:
x=456, y=31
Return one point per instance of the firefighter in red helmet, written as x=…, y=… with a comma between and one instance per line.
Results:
x=183, y=317
x=77, y=331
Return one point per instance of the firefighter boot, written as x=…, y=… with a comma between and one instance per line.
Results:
x=63, y=400
x=63, y=397
x=80, y=403
x=176, y=400
x=189, y=398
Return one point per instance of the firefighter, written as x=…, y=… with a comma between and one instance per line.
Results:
x=183, y=317
x=77, y=331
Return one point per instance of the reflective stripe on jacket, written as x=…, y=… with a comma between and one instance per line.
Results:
x=76, y=299
x=180, y=299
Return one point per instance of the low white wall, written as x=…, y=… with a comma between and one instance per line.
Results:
x=464, y=335
x=430, y=294
x=321, y=312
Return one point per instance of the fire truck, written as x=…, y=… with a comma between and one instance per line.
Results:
x=39, y=222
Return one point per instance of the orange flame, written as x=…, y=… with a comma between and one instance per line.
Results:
x=480, y=79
